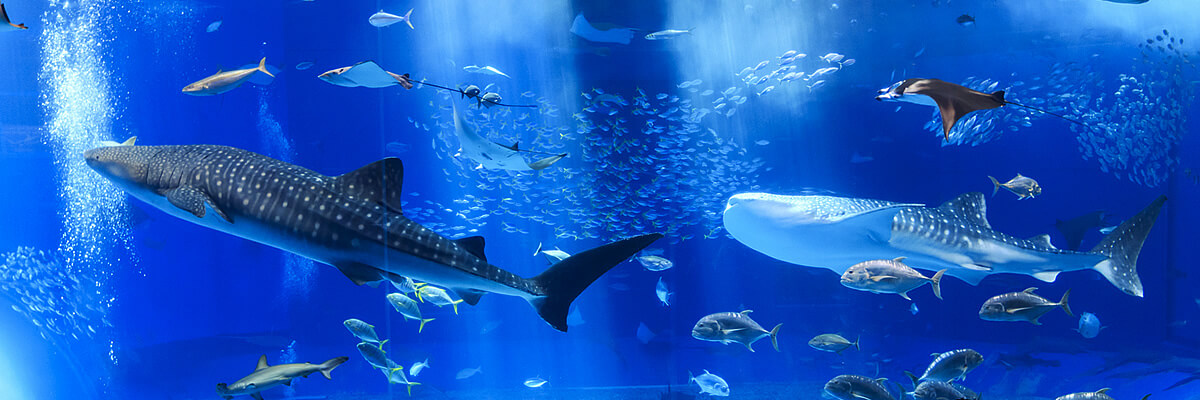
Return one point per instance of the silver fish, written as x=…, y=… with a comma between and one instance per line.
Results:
x=1021, y=306
x=1022, y=186
x=729, y=327
x=889, y=276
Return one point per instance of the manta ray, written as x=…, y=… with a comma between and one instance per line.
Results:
x=493, y=155
x=953, y=101
x=7, y=24
x=365, y=74
x=837, y=232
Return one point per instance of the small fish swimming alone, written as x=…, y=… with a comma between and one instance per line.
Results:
x=1022, y=186
x=730, y=327
x=855, y=387
x=1021, y=306
x=668, y=34
x=268, y=376
x=949, y=366
x=833, y=343
x=6, y=24
x=417, y=367
x=663, y=294
x=965, y=20
x=889, y=276
x=382, y=19
x=486, y=70
x=468, y=372
x=710, y=384
x=655, y=263
x=224, y=81
x=213, y=27
x=552, y=255
x=407, y=307
x=1089, y=325
x=362, y=330
x=535, y=382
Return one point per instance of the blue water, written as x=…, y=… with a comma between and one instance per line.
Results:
x=104, y=296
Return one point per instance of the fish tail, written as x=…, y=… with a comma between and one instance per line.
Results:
x=691, y=377
x=856, y=340
x=1122, y=246
x=564, y=281
x=423, y=322
x=995, y=184
x=410, y=385
x=262, y=66
x=774, y=336
x=408, y=19
x=1063, y=303
x=914, y=378
x=328, y=366
x=455, y=304
x=936, y=282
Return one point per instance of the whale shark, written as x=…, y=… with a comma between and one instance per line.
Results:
x=353, y=222
x=837, y=232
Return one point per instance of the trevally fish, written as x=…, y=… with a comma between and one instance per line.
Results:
x=268, y=376
x=1097, y=395
x=661, y=291
x=889, y=276
x=836, y=232
x=417, y=367
x=382, y=19
x=833, y=343
x=730, y=327
x=938, y=390
x=353, y=221
x=1021, y=306
x=855, y=387
x=655, y=263
x=407, y=307
x=437, y=296
x=949, y=366
x=710, y=384
x=1022, y=186
x=224, y=81
x=361, y=330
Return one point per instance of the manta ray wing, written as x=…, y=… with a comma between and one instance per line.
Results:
x=369, y=74
x=955, y=101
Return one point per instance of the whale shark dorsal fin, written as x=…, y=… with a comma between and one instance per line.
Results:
x=473, y=245
x=262, y=362
x=969, y=206
x=130, y=141
x=380, y=182
x=1043, y=239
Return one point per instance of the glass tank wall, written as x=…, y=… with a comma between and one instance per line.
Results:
x=644, y=199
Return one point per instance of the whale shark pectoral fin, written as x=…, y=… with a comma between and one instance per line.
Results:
x=469, y=296
x=1046, y=276
x=380, y=182
x=473, y=245
x=289, y=382
x=256, y=396
x=193, y=200
x=262, y=363
x=360, y=273
x=976, y=267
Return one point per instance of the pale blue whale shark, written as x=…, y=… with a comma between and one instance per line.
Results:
x=837, y=232
x=353, y=221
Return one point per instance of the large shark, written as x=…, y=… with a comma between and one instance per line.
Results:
x=268, y=376
x=353, y=221
x=837, y=232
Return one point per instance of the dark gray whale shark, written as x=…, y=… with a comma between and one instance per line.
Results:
x=353, y=221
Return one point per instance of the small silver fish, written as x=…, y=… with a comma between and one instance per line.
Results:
x=668, y=34
x=1022, y=186
x=655, y=263
x=224, y=81
x=709, y=383
x=362, y=330
x=535, y=382
x=833, y=343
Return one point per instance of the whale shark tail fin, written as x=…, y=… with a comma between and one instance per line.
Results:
x=1122, y=247
x=328, y=366
x=565, y=280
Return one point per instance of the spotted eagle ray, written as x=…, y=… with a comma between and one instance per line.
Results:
x=493, y=155
x=837, y=232
x=952, y=101
x=353, y=222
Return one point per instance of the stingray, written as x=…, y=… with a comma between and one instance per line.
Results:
x=493, y=155
x=365, y=74
x=953, y=101
x=586, y=30
x=1074, y=229
x=7, y=24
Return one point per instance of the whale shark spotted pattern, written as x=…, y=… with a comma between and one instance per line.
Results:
x=353, y=221
x=837, y=232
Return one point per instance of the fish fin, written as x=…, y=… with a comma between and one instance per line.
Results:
x=539, y=249
x=859, y=395
x=1035, y=320
x=422, y=327
x=999, y=96
x=360, y=273
x=1029, y=290
x=936, y=283
x=564, y=281
x=905, y=296
x=193, y=200
x=1122, y=246
x=1046, y=276
x=913, y=377
x=470, y=296
x=745, y=312
x=262, y=67
x=408, y=20
x=379, y=182
x=728, y=331
x=899, y=259
x=288, y=382
x=749, y=346
x=262, y=362
x=1102, y=391
x=691, y=377
x=455, y=305
x=1043, y=239
x=1063, y=303
x=856, y=340
x=515, y=146
x=1016, y=310
x=329, y=365
x=969, y=206
x=473, y=245
x=130, y=141
x=256, y=396
x=774, y=335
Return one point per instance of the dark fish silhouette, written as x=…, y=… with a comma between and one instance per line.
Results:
x=1074, y=229
x=952, y=100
